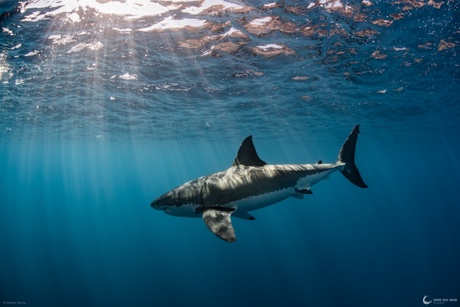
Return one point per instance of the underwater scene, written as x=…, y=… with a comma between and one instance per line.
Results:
x=325, y=136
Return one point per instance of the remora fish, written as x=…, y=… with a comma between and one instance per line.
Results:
x=251, y=184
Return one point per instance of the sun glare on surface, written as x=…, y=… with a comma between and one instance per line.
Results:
x=131, y=8
x=142, y=50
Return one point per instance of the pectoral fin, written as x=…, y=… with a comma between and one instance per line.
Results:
x=218, y=221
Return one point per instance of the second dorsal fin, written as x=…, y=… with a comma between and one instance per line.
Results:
x=247, y=154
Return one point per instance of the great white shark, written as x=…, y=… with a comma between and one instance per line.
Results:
x=251, y=184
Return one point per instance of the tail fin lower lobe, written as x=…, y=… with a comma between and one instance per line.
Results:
x=347, y=156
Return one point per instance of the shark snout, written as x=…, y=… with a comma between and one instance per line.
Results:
x=162, y=203
x=156, y=205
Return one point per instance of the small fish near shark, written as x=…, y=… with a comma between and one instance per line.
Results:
x=251, y=184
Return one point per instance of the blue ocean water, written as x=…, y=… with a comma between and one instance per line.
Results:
x=105, y=105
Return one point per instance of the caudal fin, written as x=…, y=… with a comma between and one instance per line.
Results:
x=347, y=156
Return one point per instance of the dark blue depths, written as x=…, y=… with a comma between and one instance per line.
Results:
x=76, y=229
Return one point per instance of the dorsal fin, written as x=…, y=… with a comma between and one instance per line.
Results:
x=247, y=154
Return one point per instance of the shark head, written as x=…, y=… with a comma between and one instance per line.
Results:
x=181, y=201
x=164, y=201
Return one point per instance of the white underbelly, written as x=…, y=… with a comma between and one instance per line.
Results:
x=187, y=210
x=261, y=201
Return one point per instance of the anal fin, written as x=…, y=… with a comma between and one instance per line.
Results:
x=219, y=222
x=303, y=191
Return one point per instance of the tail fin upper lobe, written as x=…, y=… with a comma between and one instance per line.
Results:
x=347, y=156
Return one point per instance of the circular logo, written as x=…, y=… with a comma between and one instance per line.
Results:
x=426, y=301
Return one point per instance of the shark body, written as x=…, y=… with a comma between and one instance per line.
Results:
x=250, y=184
